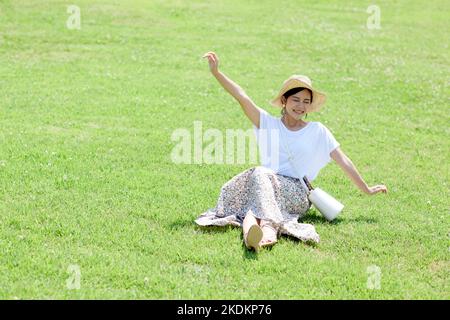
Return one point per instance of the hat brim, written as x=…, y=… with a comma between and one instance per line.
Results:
x=318, y=98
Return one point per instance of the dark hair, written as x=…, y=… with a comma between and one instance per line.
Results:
x=293, y=91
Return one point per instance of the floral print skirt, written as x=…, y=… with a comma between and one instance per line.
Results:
x=280, y=199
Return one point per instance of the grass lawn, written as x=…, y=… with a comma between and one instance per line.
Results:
x=91, y=205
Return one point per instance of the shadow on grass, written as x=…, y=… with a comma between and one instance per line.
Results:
x=181, y=224
x=311, y=244
x=315, y=219
x=247, y=253
x=214, y=229
x=251, y=254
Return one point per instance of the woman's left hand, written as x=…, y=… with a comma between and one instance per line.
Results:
x=375, y=189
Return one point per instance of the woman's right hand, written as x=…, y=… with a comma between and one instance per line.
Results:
x=213, y=61
x=375, y=189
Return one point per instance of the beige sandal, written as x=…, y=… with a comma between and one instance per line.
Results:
x=253, y=237
x=271, y=242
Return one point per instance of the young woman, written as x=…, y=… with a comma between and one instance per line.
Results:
x=268, y=200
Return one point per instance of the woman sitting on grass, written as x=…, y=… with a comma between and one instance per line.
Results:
x=268, y=200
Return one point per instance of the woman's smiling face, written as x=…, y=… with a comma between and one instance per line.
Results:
x=297, y=105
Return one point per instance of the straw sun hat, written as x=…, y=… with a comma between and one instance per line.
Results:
x=296, y=81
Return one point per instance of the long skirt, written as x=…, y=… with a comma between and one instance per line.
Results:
x=280, y=199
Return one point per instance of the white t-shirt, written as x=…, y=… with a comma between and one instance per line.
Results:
x=310, y=147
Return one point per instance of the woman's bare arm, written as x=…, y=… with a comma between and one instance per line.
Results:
x=348, y=167
x=251, y=110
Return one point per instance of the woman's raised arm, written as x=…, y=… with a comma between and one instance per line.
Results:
x=251, y=110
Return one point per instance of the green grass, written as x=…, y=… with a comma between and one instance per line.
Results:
x=85, y=171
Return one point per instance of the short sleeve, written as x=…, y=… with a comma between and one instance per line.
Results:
x=263, y=121
x=330, y=143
